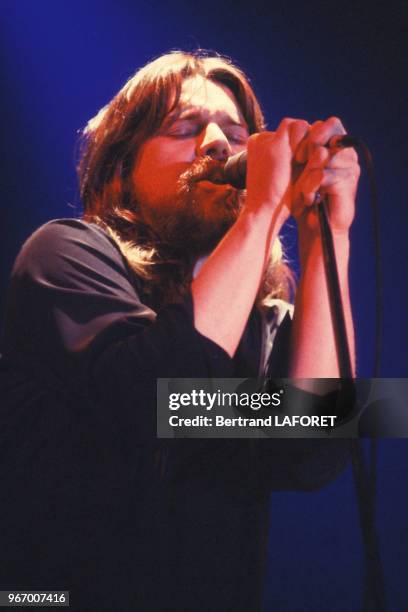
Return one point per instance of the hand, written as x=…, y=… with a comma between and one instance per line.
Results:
x=331, y=171
x=269, y=169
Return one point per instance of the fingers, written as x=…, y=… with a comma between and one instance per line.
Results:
x=294, y=163
x=292, y=131
x=297, y=132
x=318, y=135
x=340, y=158
x=270, y=162
x=326, y=171
x=282, y=143
x=310, y=180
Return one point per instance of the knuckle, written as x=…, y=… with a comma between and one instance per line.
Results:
x=260, y=142
x=261, y=136
x=335, y=122
x=316, y=125
x=286, y=124
x=302, y=123
x=266, y=135
x=253, y=139
x=333, y=119
x=286, y=120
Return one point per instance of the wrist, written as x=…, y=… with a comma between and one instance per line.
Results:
x=310, y=245
x=309, y=232
x=273, y=210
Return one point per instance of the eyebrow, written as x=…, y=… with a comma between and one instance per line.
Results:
x=195, y=114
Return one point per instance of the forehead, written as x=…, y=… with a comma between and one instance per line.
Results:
x=202, y=95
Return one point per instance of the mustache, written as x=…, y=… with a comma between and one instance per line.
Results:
x=203, y=168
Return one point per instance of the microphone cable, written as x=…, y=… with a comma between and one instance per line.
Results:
x=365, y=479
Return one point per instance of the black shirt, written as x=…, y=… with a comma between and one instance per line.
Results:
x=92, y=501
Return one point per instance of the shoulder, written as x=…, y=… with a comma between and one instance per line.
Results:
x=76, y=267
x=65, y=232
x=63, y=242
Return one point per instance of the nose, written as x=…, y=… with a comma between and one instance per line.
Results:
x=214, y=143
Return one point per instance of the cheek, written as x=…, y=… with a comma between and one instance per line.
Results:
x=159, y=166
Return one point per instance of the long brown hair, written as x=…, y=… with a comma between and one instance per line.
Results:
x=110, y=143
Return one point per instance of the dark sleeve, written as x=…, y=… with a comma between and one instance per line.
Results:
x=76, y=311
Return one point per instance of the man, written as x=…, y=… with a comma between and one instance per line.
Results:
x=170, y=273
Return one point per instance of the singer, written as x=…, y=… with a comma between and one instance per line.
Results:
x=170, y=272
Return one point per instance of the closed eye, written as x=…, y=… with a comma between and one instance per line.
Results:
x=190, y=129
x=237, y=135
x=183, y=129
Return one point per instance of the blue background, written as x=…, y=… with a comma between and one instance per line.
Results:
x=62, y=61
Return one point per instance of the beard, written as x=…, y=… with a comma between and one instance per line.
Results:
x=195, y=221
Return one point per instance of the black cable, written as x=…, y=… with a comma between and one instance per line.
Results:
x=375, y=209
x=374, y=596
x=377, y=254
x=366, y=482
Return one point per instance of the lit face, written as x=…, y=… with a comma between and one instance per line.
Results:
x=206, y=122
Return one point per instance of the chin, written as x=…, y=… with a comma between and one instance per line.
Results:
x=200, y=218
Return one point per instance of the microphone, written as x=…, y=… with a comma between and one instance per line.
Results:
x=236, y=165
